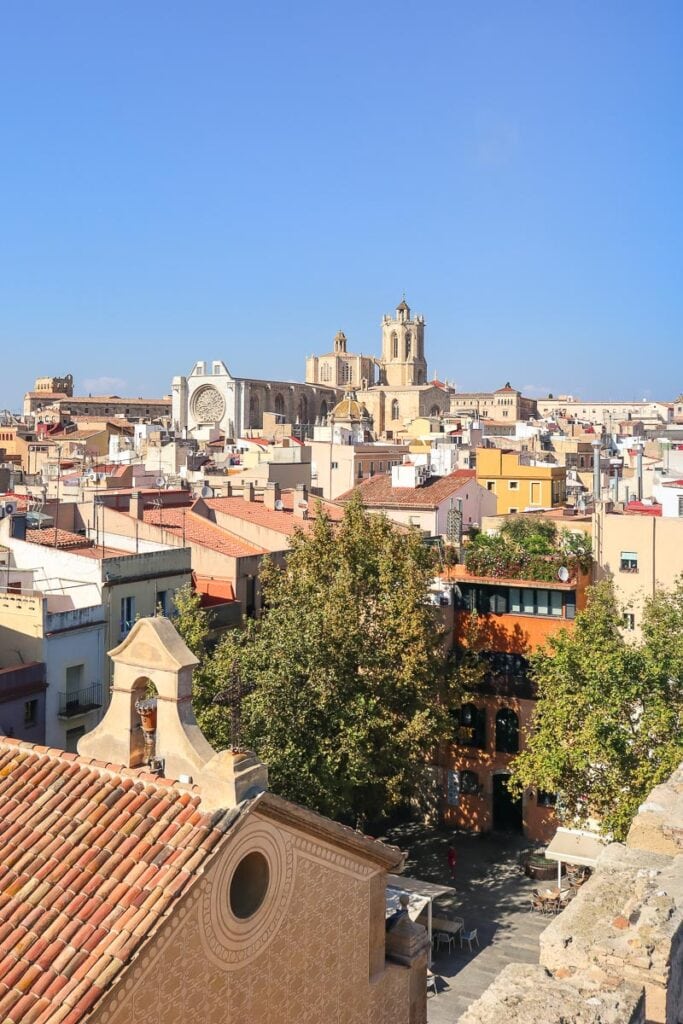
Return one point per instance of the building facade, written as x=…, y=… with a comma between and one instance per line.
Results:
x=517, y=484
x=341, y=368
x=507, y=403
x=514, y=616
x=210, y=400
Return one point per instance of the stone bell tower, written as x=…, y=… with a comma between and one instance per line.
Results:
x=403, y=361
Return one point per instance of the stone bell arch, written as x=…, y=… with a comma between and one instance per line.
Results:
x=155, y=652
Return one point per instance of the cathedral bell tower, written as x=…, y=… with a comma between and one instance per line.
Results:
x=403, y=361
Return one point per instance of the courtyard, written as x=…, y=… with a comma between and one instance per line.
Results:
x=492, y=895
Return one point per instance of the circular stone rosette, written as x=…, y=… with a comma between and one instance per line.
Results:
x=231, y=942
x=208, y=405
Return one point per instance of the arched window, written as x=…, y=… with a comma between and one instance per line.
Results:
x=472, y=726
x=325, y=372
x=420, y=377
x=409, y=344
x=323, y=410
x=394, y=409
x=507, y=731
x=435, y=411
x=303, y=409
x=279, y=405
x=254, y=411
x=394, y=346
x=345, y=372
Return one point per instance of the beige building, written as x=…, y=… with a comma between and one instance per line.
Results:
x=55, y=406
x=639, y=551
x=339, y=467
x=507, y=403
x=340, y=368
x=606, y=413
x=208, y=899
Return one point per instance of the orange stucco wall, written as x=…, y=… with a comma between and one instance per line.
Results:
x=510, y=633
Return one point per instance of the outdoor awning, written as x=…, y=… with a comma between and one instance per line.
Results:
x=573, y=846
x=420, y=894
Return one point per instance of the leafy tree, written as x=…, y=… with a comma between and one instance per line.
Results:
x=607, y=725
x=191, y=620
x=347, y=664
x=528, y=547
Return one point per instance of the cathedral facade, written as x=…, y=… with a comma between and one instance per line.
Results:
x=211, y=398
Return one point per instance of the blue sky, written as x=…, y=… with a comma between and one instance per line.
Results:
x=240, y=181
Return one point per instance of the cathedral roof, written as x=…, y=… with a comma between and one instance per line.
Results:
x=350, y=409
x=404, y=305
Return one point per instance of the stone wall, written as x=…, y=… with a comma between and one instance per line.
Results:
x=615, y=955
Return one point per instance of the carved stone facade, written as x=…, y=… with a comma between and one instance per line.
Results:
x=305, y=957
x=341, y=368
x=211, y=398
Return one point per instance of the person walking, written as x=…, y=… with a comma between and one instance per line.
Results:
x=452, y=860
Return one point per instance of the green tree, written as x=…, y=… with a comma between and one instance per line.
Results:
x=607, y=724
x=347, y=664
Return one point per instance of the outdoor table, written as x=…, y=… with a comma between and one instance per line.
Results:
x=445, y=924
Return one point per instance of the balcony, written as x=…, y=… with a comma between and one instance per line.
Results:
x=79, y=702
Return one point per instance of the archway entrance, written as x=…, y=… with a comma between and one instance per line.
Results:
x=507, y=810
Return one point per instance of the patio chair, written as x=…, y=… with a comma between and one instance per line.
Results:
x=469, y=937
x=444, y=939
x=536, y=903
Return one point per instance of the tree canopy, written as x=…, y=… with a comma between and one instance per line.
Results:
x=607, y=724
x=347, y=666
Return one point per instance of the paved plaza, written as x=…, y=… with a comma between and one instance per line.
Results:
x=492, y=895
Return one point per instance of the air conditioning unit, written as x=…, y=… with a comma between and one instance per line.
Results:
x=8, y=508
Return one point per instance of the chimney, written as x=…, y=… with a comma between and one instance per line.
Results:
x=301, y=501
x=248, y=491
x=137, y=505
x=271, y=495
x=228, y=489
x=639, y=469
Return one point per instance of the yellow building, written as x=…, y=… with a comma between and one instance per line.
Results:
x=517, y=485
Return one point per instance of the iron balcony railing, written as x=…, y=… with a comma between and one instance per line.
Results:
x=77, y=702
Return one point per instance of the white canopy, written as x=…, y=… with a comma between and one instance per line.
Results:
x=420, y=895
x=574, y=846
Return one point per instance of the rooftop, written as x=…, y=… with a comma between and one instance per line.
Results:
x=284, y=521
x=196, y=529
x=378, y=491
x=79, y=893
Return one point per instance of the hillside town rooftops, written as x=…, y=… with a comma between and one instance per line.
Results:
x=378, y=490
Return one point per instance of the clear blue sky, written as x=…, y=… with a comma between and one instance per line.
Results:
x=211, y=179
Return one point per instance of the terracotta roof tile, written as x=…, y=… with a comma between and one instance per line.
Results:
x=377, y=492
x=91, y=856
x=285, y=521
x=196, y=529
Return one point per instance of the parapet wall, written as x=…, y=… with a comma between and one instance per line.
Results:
x=615, y=955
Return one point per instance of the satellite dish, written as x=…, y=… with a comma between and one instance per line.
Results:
x=160, y=481
x=279, y=505
x=206, y=491
x=90, y=473
x=563, y=573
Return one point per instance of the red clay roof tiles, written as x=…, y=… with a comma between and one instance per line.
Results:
x=91, y=856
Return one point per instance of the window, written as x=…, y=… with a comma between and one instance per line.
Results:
x=545, y=798
x=513, y=485
x=30, y=713
x=249, y=885
x=507, y=731
x=409, y=345
x=512, y=510
x=469, y=782
x=394, y=346
x=680, y=504
x=127, y=615
x=629, y=620
x=471, y=723
x=372, y=469
x=490, y=485
x=360, y=470
x=335, y=465
x=394, y=409
x=628, y=561
x=163, y=601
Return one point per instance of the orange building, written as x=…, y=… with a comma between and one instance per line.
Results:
x=514, y=618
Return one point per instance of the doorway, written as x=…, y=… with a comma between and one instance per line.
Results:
x=507, y=810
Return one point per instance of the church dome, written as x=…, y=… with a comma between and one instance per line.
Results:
x=350, y=410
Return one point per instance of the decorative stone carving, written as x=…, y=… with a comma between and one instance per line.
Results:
x=208, y=405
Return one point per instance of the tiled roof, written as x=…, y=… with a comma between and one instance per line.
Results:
x=281, y=522
x=377, y=491
x=91, y=857
x=199, y=530
x=73, y=542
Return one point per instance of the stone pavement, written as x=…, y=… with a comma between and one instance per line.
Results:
x=492, y=896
